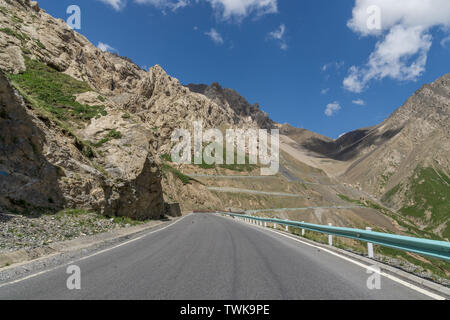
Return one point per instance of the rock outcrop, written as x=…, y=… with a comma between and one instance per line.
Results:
x=44, y=168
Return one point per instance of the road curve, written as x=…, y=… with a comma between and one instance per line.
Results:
x=205, y=257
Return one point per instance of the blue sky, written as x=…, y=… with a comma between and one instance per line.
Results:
x=310, y=63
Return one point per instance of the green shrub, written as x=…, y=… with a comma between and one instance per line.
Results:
x=13, y=33
x=429, y=191
x=182, y=177
x=112, y=134
x=55, y=92
x=126, y=116
x=167, y=157
x=39, y=44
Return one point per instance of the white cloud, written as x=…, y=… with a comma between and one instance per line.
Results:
x=324, y=91
x=337, y=65
x=408, y=13
x=445, y=43
x=116, y=4
x=215, y=36
x=172, y=5
x=105, y=47
x=278, y=35
x=239, y=9
x=359, y=102
x=404, y=39
x=225, y=9
x=332, y=108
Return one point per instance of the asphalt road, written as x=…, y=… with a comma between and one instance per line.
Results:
x=208, y=257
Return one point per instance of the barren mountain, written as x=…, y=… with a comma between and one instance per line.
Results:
x=403, y=161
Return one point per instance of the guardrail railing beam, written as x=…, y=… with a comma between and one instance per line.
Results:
x=432, y=248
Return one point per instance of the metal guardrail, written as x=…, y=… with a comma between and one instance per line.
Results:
x=432, y=248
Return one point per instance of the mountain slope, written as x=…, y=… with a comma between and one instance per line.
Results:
x=404, y=161
x=418, y=154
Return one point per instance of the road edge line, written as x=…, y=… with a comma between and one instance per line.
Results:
x=91, y=255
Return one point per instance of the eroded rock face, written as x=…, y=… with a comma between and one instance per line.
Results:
x=27, y=176
x=133, y=185
x=42, y=168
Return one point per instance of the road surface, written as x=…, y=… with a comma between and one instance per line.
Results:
x=204, y=256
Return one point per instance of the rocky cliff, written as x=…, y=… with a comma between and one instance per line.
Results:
x=66, y=141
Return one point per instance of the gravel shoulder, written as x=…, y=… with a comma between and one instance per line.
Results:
x=26, y=238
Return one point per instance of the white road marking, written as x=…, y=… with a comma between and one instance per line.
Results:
x=90, y=256
x=362, y=265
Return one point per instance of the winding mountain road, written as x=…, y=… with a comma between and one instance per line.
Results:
x=204, y=256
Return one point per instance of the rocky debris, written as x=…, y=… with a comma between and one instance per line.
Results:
x=29, y=232
x=413, y=269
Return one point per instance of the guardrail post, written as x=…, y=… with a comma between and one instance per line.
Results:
x=287, y=228
x=265, y=224
x=370, y=246
x=303, y=230
x=330, y=237
x=275, y=226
